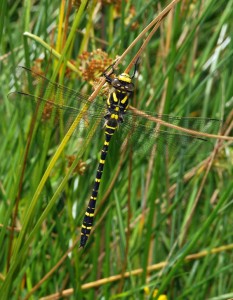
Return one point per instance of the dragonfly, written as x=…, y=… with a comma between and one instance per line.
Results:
x=59, y=102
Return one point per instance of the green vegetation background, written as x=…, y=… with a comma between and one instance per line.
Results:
x=151, y=208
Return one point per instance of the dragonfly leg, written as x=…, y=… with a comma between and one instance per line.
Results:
x=107, y=77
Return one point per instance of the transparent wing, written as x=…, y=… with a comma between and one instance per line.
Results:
x=143, y=133
x=53, y=101
x=59, y=103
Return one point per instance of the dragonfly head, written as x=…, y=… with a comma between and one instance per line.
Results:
x=124, y=77
x=123, y=82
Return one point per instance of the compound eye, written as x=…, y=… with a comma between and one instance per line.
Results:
x=129, y=87
x=116, y=82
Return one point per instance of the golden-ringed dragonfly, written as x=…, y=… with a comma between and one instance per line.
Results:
x=138, y=129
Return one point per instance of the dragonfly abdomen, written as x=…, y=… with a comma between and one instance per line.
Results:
x=140, y=128
x=111, y=126
x=117, y=104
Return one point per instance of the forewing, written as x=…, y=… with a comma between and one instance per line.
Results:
x=52, y=103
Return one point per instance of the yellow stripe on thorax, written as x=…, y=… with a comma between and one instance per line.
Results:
x=124, y=99
x=108, y=100
x=115, y=99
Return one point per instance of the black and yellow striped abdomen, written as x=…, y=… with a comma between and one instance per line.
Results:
x=111, y=126
x=117, y=104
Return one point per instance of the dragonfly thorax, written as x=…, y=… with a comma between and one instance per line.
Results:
x=118, y=99
x=140, y=127
x=117, y=104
